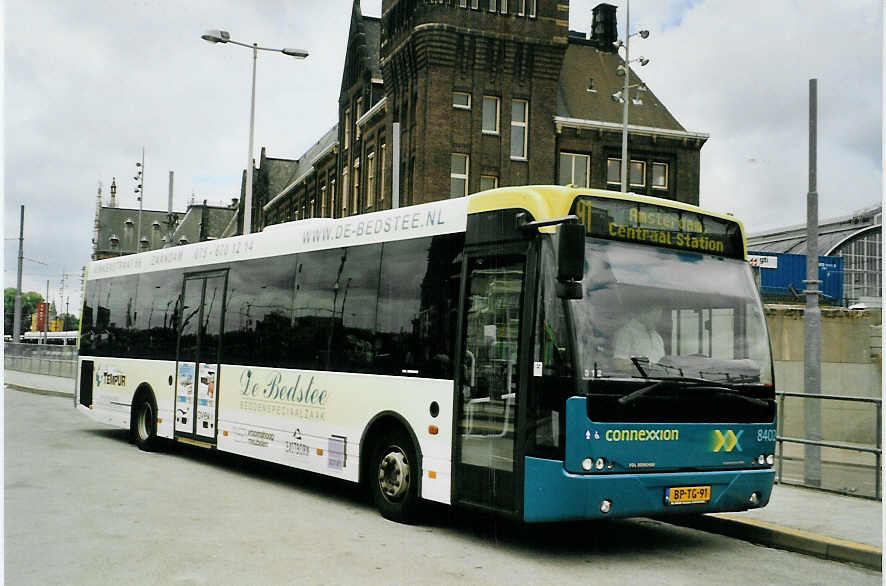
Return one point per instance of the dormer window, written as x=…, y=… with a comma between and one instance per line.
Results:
x=156, y=225
x=183, y=240
x=114, y=240
x=129, y=222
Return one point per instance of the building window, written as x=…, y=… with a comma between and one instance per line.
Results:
x=462, y=3
x=862, y=266
x=370, y=179
x=490, y=114
x=637, y=175
x=323, y=201
x=311, y=208
x=475, y=4
x=332, y=197
x=488, y=182
x=461, y=100
x=355, y=207
x=532, y=8
x=347, y=127
x=344, y=190
x=519, y=128
x=575, y=169
x=381, y=173
x=492, y=5
x=521, y=7
x=458, y=175
x=659, y=175
x=503, y=6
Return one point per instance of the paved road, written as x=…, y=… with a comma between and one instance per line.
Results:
x=83, y=506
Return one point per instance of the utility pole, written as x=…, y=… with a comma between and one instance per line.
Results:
x=812, y=315
x=46, y=312
x=17, y=316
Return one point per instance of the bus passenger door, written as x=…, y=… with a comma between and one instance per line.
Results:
x=489, y=382
x=197, y=371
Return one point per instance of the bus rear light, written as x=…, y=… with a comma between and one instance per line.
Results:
x=587, y=464
x=433, y=429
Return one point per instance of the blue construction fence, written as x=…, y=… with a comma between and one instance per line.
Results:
x=781, y=279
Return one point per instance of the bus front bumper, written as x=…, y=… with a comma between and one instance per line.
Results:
x=553, y=494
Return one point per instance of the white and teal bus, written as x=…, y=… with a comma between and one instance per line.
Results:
x=496, y=351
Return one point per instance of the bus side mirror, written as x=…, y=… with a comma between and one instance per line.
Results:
x=570, y=260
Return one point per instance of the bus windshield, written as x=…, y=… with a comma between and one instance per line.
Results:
x=660, y=313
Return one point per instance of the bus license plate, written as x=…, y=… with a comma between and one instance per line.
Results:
x=687, y=495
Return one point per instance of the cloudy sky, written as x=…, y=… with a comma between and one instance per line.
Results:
x=89, y=83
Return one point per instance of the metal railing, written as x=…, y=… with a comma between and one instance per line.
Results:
x=45, y=359
x=876, y=451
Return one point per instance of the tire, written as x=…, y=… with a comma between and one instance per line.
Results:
x=393, y=477
x=144, y=424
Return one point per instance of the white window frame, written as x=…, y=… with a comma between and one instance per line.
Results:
x=461, y=106
x=370, y=179
x=355, y=181
x=347, y=127
x=454, y=175
x=493, y=6
x=587, y=161
x=381, y=173
x=497, y=115
x=503, y=6
x=521, y=7
x=345, y=193
x=630, y=183
x=525, y=125
x=667, y=176
x=494, y=179
x=323, y=194
x=532, y=6
x=475, y=4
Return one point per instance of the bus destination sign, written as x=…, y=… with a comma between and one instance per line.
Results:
x=646, y=223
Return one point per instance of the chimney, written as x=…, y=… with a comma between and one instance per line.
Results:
x=604, y=30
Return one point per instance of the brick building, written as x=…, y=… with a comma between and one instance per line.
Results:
x=481, y=94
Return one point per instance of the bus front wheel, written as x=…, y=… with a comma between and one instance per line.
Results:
x=144, y=425
x=394, y=479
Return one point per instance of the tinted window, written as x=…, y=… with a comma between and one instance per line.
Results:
x=418, y=302
x=113, y=301
x=258, y=317
x=154, y=334
x=313, y=314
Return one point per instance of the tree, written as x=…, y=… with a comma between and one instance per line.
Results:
x=29, y=306
x=72, y=322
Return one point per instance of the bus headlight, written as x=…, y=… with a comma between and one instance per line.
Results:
x=587, y=464
x=770, y=459
x=761, y=459
x=605, y=506
x=601, y=463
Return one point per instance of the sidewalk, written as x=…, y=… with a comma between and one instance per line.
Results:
x=832, y=526
x=40, y=383
x=828, y=525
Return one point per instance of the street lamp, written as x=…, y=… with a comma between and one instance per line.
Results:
x=218, y=36
x=623, y=96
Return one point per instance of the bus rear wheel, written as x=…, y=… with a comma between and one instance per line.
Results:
x=394, y=478
x=144, y=425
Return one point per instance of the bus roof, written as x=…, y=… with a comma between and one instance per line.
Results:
x=430, y=219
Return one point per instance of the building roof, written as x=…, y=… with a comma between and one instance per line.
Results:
x=216, y=219
x=584, y=62
x=279, y=172
x=832, y=233
x=305, y=166
x=122, y=224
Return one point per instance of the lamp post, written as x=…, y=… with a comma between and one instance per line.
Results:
x=623, y=96
x=219, y=36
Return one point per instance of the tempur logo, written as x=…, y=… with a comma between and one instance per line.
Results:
x=642, y=435
x=725, y=441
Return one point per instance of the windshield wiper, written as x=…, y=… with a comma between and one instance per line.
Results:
x=696, y=384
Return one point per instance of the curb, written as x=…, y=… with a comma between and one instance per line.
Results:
x=781, y=537
x=37, y=391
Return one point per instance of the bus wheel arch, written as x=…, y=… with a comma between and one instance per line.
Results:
x=390, y=466
x=143, y=419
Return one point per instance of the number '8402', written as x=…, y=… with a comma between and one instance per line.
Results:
x=765, y=435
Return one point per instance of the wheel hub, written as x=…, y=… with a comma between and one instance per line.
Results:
x=393, y=475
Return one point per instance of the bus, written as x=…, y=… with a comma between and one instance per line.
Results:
x=473, y=351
